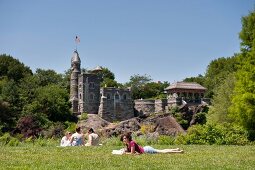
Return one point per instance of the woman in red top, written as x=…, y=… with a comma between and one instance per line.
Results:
x=133, y=148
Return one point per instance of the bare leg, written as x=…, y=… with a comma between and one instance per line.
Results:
x=177, y=150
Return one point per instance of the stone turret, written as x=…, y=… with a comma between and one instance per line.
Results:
x=76, y=70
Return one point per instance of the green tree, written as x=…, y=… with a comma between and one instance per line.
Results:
x=12, y=68
x=52, y=101
x=199, y=79
x=222, y=101
x=243, y=102
x=217, y=71
x=137, y=83
x=247, y=34
x=46, y=77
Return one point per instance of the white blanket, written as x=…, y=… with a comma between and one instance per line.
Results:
x=118, y=152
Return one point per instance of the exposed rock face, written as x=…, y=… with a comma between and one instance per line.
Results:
x=163, y=125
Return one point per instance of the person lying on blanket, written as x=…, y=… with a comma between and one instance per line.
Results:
x=133, y=148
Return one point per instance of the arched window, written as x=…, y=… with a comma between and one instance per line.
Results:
x=91, y=96
x=80, y=95
x=108, y=96
x=117, y=97
x=91, y=85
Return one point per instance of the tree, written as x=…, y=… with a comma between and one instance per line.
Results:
x=199, y=79
x=12, y=68
x=136, y=83
x=52, y=101
x=243, y=102
x=217, y=71
x=247, y=34
x=219, y=111
x=46, y=77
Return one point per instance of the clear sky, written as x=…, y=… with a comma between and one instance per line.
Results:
x=166, y=39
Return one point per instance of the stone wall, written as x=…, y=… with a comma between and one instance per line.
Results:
x=160, y=105
x=115, y=104
x=89, y=93
x=145, y=106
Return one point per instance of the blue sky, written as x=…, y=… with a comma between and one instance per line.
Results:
x=166, y=39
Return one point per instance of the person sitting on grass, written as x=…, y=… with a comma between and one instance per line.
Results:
x=77, y=139
x=65, y=141
x=133, y=148
x=93, y=138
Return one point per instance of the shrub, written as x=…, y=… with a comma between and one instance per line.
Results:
x=147, y=128
x=55, y=131
x=13, y=142
x=214, y=134
x=84, y=116
x=4, y=140
x=166, y=140
x=112, y=141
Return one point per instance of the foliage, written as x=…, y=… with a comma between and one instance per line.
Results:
x=242, y=109
x=165, y=140
x=217, y=71
x=247, y=34
x=56, y=130
x=214, y=134
x=109, y=83
x=200, y=118
x=199, y=79
x=12, y=68
x=29, y=126
x=47, y=77
x=142, y=87
x=84, y=116
x=53, y=101
x=6, y=117
x=147, y=128
x=219, y=111
x=243, y=103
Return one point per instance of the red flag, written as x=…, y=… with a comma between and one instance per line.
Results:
x=77, y=40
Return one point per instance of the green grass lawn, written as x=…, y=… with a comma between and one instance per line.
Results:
x=195, y=157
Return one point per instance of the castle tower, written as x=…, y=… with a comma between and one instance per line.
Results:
x=76, y=70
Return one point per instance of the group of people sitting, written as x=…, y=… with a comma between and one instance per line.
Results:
x=131, y=147
x=78, y=138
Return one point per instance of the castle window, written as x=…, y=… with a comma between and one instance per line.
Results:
x=108, y=96
x=91, y=85
x=117, y=97
x=91, y=96
x=125, y=97
x=80, y=95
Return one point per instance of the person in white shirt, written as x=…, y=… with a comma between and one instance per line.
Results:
x=93, y=138
x=65, y=141
x=77, y=139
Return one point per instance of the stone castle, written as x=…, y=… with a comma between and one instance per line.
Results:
x=86, y=95
x=116, y=104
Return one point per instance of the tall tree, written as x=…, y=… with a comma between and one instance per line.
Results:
x=13, y=68
x=243, y=102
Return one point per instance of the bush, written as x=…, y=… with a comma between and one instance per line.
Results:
x=84, y=116
x=55, y=131
x=4, y=140
x=112, y=141
x=14, y=142
x=166, y=140
x=147, y=128
x=214, y=134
